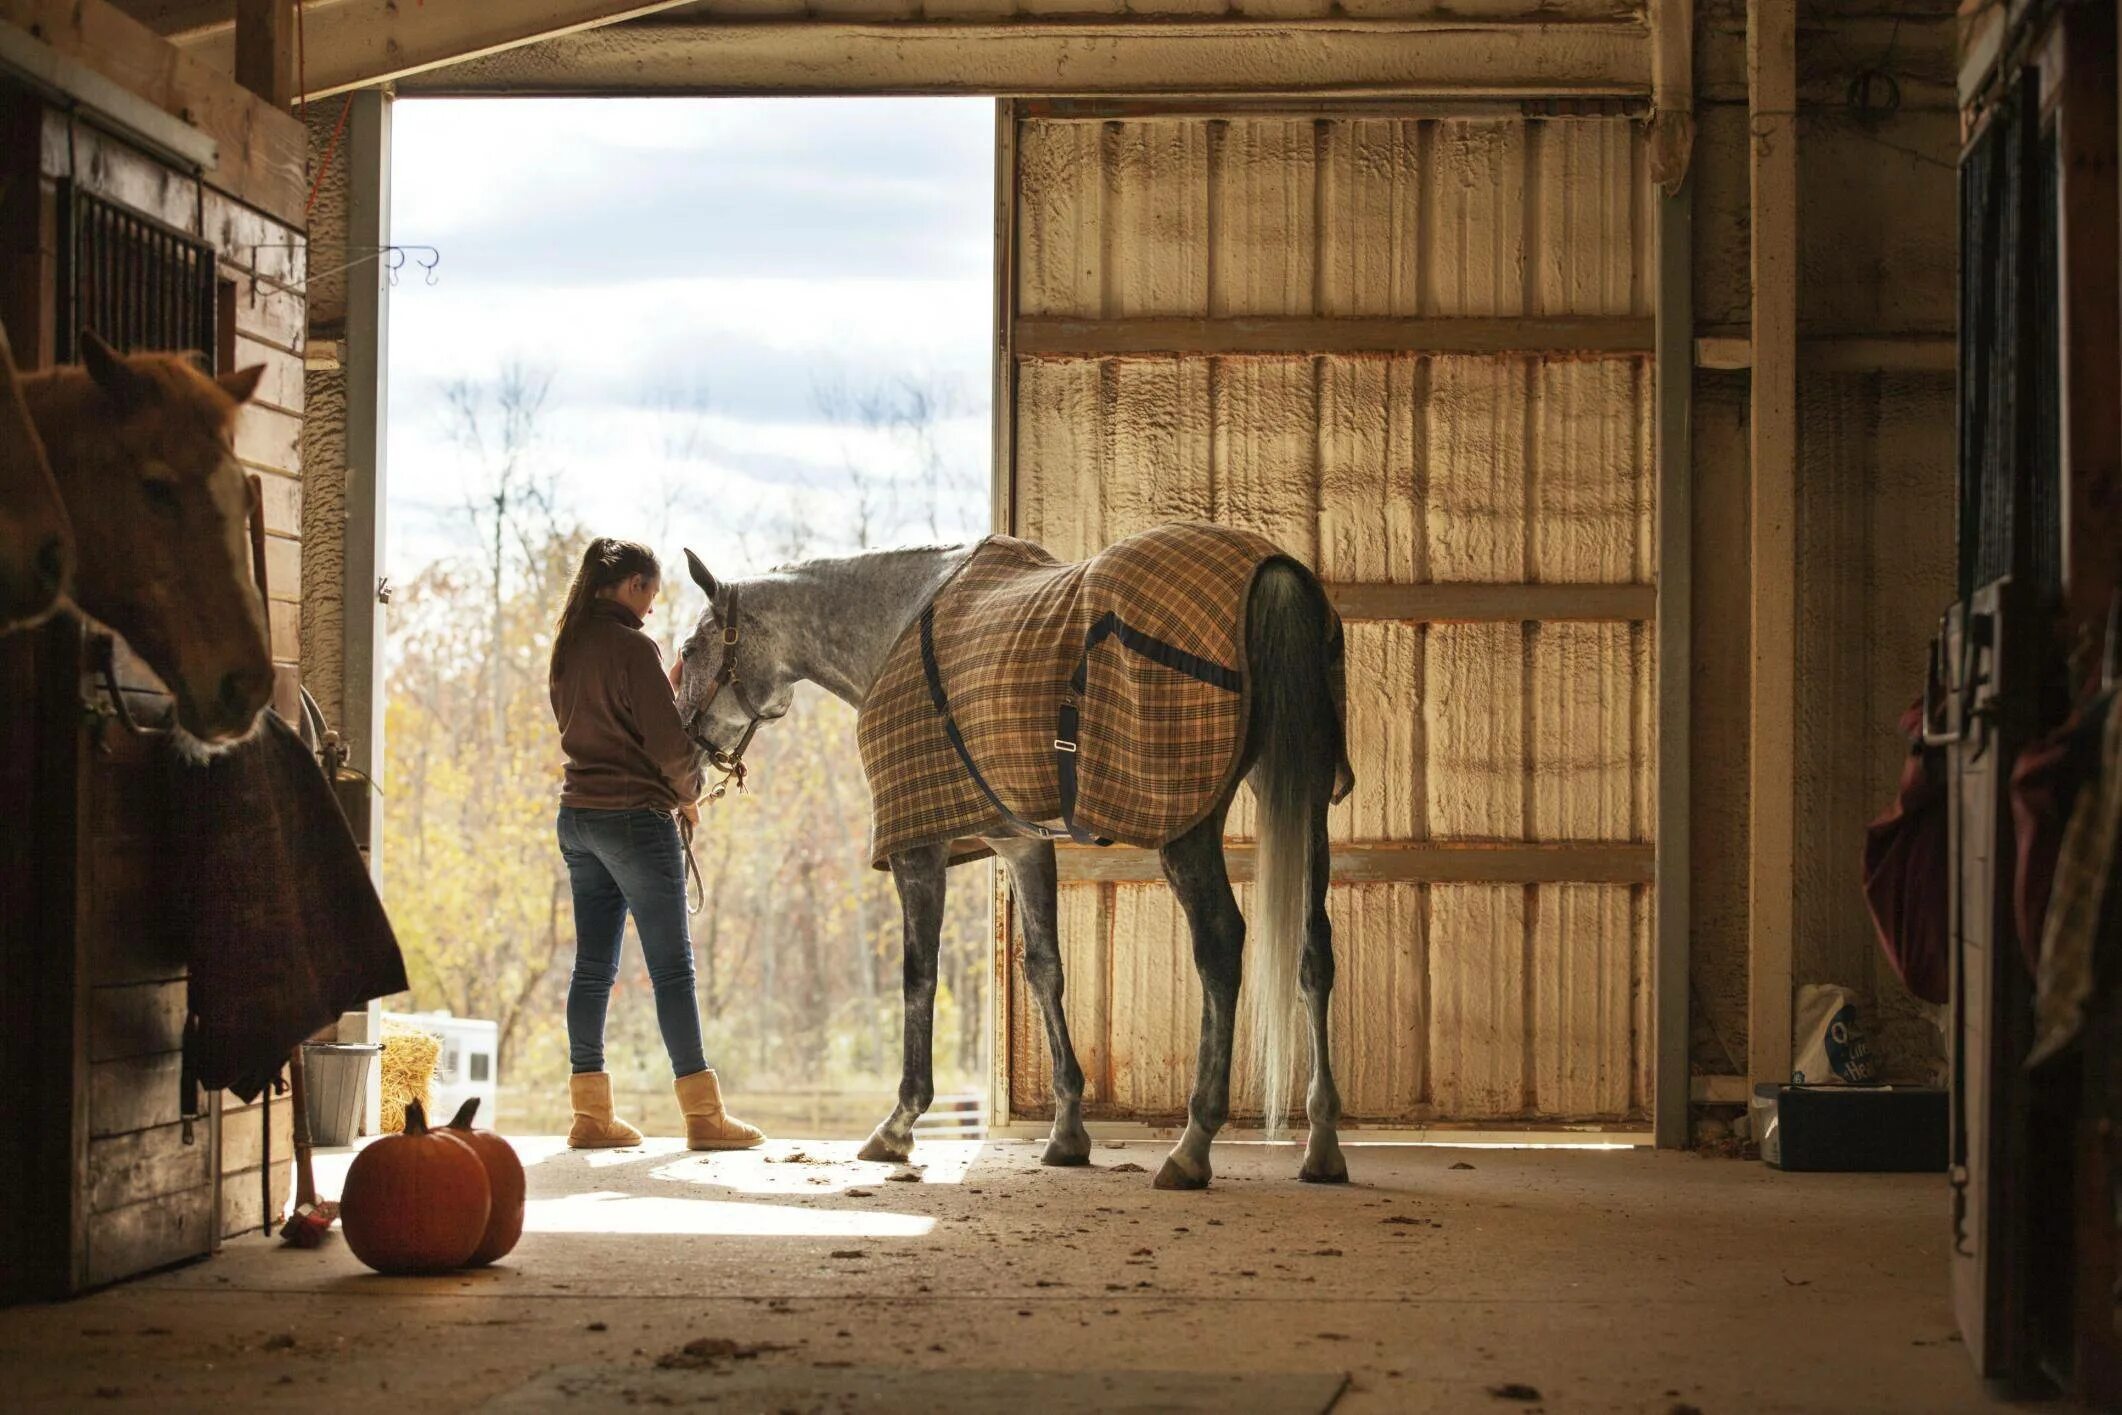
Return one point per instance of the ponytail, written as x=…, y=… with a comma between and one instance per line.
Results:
x=605, y=563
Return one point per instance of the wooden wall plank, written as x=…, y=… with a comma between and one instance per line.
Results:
x=243, y=1202
x=1378, y=1023
x=147, y=1165
x=136, y=1020
x=283, y=566
x=1474, y=718
x=261, y=149
x=1477, y=990
x=283, y=504
x=281, y=386
x=1390, y=756
x=271, y=316
x=134, y=1093
x=1302, y=336
x=127, y=930
x=268, y=438
x=1495, y=603
x=1156, y=1004
x=1588, y=746
x=150, y=1234
x=1583, y=973
x=1389, y=861
x=243, y=1131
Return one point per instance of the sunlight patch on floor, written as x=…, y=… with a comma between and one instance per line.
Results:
x=817, y=1167
x=608, y=1211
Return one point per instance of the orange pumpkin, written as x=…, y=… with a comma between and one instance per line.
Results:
x=415, y=1202
x=504, y=1182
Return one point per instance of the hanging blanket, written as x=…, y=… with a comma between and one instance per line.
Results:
x=281, y=920
x=1104, y=701
x=1905, y=870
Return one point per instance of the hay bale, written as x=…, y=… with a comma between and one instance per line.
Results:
x=409, y=1056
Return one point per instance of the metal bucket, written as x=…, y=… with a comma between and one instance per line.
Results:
x=332, y=1073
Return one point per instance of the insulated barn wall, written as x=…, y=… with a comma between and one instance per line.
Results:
x=1456, y=1000
x=1412, y=468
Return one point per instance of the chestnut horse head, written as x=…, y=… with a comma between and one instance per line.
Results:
x=36, y=543
x=142, y=448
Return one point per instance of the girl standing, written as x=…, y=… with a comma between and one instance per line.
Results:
x=632, y=770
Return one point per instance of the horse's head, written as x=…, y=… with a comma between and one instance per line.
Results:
x=144, y=454
x=720, y=712
x=36, y=541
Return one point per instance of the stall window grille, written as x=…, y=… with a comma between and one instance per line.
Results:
x=140, y=284
x=2010, y=379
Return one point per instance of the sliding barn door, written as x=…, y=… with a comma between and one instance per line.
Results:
x=1415, y=351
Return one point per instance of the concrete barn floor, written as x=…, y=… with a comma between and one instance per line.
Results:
x=1602, y=1280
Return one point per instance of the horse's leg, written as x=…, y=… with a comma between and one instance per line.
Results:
x=919, y=875
x=1194, y=865
x=1322, y=1104
x=1031, y=874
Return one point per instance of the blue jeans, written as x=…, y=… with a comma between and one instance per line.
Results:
x=620, y=861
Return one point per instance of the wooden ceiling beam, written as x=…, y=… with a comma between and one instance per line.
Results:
x=350, y=44
x=1074, y=59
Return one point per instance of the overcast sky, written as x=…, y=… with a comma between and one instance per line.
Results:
x=690, y=273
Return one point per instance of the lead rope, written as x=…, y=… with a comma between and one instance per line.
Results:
x=696, y=889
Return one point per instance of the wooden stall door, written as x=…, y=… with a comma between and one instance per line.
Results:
x=93, y=990
x=1414, y=350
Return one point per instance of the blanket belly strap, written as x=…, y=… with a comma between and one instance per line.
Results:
x=1156, y=650
x=1067, y=724
x=934, y=674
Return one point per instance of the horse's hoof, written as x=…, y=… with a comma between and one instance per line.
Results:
x=1171, y=1176
x=1322, y=1162
x=1065, y=1156
x=884, y=1151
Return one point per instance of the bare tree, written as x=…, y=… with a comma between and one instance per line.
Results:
x=513, y=506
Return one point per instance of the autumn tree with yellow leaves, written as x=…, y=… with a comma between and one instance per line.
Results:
x=797, y=948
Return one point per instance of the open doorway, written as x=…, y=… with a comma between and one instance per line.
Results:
x=760, y=329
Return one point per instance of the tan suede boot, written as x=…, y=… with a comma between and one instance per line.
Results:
x=707, y=1125
x=595, y=1128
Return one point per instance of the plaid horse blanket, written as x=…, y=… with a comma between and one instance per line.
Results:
x=1104, y=701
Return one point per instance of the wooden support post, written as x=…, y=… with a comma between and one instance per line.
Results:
x=368, y=146
x=265, y=49
x=1003, y=520
x=1672, y=92
x=1772, y=100
x=2091, y=312
x=1671, y=897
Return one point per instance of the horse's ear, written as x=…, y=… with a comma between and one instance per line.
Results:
x=118, y=379
x=241, y=384
x=705, y=581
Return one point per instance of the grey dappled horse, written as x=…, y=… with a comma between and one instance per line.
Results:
x=833, y=622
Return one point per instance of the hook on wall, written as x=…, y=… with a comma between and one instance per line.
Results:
x=393, y=259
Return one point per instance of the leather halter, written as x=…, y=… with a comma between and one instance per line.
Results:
x=730, y=762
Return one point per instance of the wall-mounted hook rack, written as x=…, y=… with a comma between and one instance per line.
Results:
x=394, y=259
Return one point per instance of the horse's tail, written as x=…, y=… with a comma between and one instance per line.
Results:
x=1296, y=727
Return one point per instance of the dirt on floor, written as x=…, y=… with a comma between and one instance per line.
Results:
x=1440, y=1279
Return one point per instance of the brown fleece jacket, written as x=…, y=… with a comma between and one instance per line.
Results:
x=626, y=749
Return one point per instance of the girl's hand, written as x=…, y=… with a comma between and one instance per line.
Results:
x=690, y=814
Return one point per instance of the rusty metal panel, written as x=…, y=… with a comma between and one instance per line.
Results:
x=1454, y=1001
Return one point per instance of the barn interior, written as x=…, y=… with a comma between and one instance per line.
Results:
x=1666, y=397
